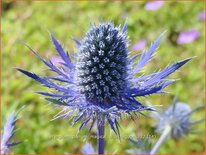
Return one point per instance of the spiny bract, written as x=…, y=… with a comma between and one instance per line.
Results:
x=8, y=134
x=103, y=82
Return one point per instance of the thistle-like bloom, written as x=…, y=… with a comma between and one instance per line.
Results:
x=8, y=133
x=177, y=117
x=102, y=82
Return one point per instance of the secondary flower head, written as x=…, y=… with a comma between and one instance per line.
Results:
x=102, y=82
x=177, y=116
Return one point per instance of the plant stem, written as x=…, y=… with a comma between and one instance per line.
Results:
x=100, y=135
x=162, y=138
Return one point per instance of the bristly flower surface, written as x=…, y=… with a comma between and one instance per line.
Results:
x=102, y=65
x=102, y=82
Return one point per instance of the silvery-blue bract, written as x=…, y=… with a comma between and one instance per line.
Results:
x=102, y=81
x=8, y=133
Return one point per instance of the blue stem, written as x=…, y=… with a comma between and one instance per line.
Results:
x=100, y=136
x=162, y=138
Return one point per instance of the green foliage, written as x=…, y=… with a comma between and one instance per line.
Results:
x=29, y=22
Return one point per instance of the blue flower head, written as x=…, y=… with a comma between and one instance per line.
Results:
x=177, y=117
x=102, y=81
x=102, y=65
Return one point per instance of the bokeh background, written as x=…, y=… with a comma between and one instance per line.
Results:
x=30, y=21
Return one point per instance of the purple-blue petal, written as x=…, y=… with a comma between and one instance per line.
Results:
x=139, y=46
x=153, y=5
x=201, y=16
x=189, y=36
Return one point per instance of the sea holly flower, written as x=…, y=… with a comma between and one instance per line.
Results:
x=153, y=5
x=186, y=37
x=8, y=133
x=177, y=116
x=201, y=16
x=174, y=122
x=102, y=83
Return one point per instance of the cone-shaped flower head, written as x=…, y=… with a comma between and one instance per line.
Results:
x=177, y=116
x=103, y=80
x=102, y=64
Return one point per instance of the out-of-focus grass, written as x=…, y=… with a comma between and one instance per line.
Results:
x=30, y=21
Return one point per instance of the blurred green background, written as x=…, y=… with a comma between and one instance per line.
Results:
x=30, y=22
